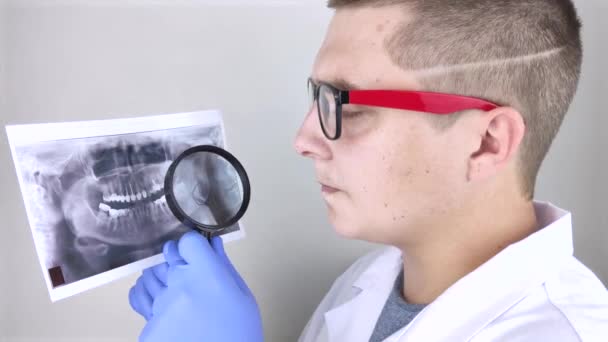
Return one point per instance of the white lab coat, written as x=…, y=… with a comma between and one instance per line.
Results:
x=534, y=290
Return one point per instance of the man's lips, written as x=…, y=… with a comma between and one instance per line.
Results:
x=328, y=189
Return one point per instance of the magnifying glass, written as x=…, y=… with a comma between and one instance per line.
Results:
x=207, y=189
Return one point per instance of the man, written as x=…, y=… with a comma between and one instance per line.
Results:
x=431, y=119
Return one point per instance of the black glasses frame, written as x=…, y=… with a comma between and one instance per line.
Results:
x=340, y=97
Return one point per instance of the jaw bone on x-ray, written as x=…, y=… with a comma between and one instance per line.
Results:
x=114, y=198
x=98, y=203
x=120, y=184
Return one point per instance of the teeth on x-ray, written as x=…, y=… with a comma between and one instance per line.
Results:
x=134, y=196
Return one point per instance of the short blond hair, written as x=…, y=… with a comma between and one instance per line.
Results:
x=520, y=53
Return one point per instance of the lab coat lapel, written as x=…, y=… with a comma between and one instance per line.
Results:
x=355, y=320
x=481, y=296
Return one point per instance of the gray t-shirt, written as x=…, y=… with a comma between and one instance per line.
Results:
x=396, y=314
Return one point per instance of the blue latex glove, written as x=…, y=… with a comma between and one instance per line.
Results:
x=196, y=296
x=148, y=286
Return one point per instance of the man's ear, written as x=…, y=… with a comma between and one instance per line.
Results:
x=501, y=132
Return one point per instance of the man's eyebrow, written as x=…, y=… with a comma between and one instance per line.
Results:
x=339, y=83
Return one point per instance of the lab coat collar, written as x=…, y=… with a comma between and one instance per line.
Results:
x=354, y=320
x=473, y=301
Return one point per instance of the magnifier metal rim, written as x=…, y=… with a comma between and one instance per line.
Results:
x=179, y=213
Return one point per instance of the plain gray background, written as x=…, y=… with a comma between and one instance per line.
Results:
x=87, y=59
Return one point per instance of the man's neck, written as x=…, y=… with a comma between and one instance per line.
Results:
x=461, y=246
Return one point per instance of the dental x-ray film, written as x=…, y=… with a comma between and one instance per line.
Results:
x=94, y=193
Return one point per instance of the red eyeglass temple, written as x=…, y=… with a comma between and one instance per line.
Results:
x=436, y=103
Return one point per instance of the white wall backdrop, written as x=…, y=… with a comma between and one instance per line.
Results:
x=3, y=180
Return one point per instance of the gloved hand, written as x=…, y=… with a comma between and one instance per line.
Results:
x=148, y=286
x=204, y=299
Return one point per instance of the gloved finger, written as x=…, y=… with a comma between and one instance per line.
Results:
x=140, y=299
x=160, y=303
x=196, y=250
x=151, y=283
x=171, y=253
x=175, y=317
x=160, y=271
x=218, y=246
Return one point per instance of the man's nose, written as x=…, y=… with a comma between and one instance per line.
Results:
x=310, y=141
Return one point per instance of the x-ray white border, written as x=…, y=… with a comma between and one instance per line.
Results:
x=20, y=135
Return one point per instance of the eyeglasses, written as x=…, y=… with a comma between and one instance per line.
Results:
x=330, y=100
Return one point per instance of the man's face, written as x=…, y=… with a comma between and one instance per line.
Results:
x=394, y=173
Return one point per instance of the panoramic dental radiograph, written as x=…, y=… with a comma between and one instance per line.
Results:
x=100, y=202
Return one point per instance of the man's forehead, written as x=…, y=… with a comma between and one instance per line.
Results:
x=353, y=54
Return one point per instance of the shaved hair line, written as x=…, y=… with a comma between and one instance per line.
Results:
x=444, y=69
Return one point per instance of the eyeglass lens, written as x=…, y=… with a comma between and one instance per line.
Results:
x=326, y=107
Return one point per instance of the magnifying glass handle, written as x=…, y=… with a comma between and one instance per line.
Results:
x=207, y=235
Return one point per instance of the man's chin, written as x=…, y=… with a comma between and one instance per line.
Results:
x=346, y=228
x=353, y=230
x=344, y=222
x=360, y=235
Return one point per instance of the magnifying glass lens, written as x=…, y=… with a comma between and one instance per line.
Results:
x=207, y=190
